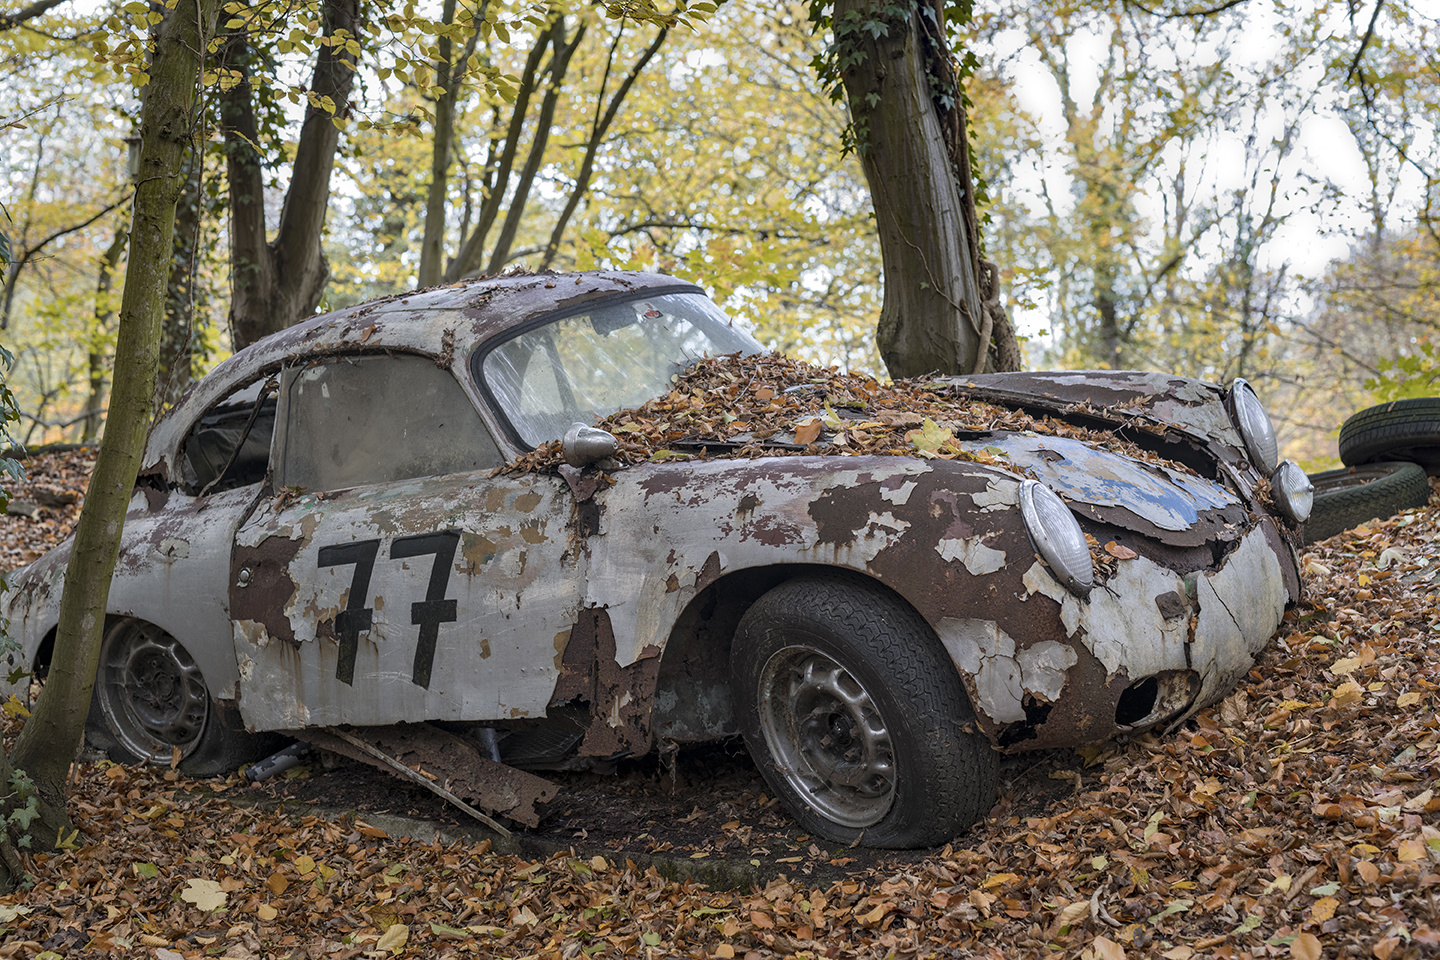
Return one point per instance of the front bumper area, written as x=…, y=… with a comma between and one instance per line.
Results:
x=1147, y=647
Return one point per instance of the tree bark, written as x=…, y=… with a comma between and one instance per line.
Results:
x=94, y=354
x=47, y=745
x=177, y=338
x=276, y=283
x=932, y=317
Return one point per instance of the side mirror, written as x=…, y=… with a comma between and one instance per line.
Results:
x=584, y=445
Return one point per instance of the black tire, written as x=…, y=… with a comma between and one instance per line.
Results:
x=1347, y=498
x=1403, y=430
x=150, y=700
x=833, y=651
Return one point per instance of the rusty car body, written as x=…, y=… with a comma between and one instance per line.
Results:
x=320, y=539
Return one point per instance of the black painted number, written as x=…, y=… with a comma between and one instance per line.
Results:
x=434, y=610
x=428, y=614
x=356, y=616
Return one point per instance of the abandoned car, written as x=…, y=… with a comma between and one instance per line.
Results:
x=325, y=541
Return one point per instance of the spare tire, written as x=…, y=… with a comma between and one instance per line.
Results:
x=1347, y=498
x=1402, y=430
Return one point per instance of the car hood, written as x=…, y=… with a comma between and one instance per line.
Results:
x=1154, y=499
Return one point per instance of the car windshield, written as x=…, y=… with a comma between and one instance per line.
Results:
x=606, y=358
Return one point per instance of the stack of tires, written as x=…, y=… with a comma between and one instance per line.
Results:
x=1388, y=450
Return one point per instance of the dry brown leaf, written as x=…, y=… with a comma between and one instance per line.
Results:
x=1305, y=946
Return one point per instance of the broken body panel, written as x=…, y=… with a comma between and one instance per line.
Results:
x=500, y=600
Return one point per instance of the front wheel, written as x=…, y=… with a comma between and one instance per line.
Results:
x=856, y=717
x=151, y=705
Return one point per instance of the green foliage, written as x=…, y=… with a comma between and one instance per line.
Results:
x=1407, y=377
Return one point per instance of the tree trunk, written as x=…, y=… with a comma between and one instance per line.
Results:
x=449, y=73
x=177, y=338
x=47, y=745
x=94, y=353
x=932, y=318
x=276, y=283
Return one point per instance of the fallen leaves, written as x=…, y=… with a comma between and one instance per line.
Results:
x=1297, y=818
x=769, y=405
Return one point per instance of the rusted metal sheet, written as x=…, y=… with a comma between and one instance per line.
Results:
x=451, y=762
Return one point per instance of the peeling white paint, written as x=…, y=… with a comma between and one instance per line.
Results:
x=1240, y=607
x=1043, y=667
x=984, y=651
x=1123, y=627
x=899, y=496
x=999, y=494
x=172, y=549
x=978, y=558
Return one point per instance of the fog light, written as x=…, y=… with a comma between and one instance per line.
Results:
x=1292, y=491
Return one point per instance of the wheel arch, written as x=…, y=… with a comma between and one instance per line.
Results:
x=692, y=700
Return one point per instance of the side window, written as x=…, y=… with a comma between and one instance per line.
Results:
x=362, y=420
x=229, y=446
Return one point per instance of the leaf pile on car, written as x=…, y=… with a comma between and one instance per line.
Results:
x=768, y=405
x=1299, y=818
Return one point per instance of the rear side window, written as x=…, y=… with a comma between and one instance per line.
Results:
x=362, y=420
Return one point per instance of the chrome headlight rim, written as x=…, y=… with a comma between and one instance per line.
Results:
x=1057, y=537
x=1292, y=491
x=1254, y=426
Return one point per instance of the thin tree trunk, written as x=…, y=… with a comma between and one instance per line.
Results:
x=177, y=337
x=597, y=137
x=473, y=247
x=95, y=356
x=47, y=745
x=559, y=64
x=448, y=74
x=277, y=283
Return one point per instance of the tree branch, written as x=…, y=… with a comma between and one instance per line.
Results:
x=39, y=7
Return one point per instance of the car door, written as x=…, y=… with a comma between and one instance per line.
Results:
x=390, y=577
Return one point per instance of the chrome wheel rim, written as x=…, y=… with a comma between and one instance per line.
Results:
x=827, y=736
x=151, y=693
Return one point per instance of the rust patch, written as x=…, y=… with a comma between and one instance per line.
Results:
x=269, y=589
x=477, y=550
x=527, y=502
x=454, y=764
x=533, y=532
x=748, y=503
x=709, y=573
x=620, y=699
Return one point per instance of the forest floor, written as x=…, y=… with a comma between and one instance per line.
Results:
x=1297, y=818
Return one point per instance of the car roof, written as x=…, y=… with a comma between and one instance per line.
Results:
x=447, y=321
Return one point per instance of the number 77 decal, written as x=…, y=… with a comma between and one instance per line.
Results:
x=428, y=614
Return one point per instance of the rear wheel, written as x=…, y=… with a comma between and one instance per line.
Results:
x=856, y=717
x=1347, y=498
x=1402, y=430
x=151, y=705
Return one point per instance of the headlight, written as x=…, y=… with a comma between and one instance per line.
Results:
x=1292, y=491
x=1057, y=536
x=1254, y=425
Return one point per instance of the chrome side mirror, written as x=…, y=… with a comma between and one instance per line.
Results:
x=584, y=445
